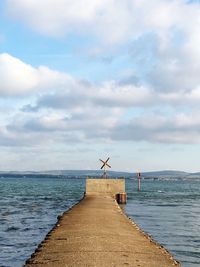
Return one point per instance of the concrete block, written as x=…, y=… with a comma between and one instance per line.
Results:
x=105, y=186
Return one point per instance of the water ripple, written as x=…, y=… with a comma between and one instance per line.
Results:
x=167, y=210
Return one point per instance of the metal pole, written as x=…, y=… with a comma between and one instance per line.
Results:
x=105, y=175
x=138, y=174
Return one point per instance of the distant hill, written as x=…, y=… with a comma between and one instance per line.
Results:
x=166, y=173
x=63, y=173
x=98, y=173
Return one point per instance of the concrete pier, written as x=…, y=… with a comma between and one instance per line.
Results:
x=96, y=233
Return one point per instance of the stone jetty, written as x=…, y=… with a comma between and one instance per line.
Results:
x=96, y=233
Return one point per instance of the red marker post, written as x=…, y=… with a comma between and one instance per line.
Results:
x=139, y=176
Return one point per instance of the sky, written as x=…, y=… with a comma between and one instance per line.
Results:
x=82, y=80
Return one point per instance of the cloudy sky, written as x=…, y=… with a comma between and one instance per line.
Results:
x=82, y=80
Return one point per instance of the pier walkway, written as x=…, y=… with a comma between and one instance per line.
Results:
x=96, y=233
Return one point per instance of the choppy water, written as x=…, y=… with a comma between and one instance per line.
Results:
x=170, y=212
x=167, y=210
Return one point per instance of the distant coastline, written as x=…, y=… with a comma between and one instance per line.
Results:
x=166, y=174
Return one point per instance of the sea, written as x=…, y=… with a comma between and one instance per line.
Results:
x=166, y=209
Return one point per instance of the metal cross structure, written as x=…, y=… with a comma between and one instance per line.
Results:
x=105, y=164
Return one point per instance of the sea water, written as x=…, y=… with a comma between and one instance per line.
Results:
x=168, y=210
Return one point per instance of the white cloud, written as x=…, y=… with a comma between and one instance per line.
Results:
x=175, y=62
x=188, y=98
x=60, y=90
x=177, y=68
x=106, y=95
x=69, y=110
x=58, y=18
x=154, y=43
x=180, y=128
x=18, y=78
x=112, y=94
x=112, y=20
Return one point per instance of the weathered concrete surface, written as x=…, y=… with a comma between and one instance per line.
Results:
x=105, y=186
x=96, y=233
